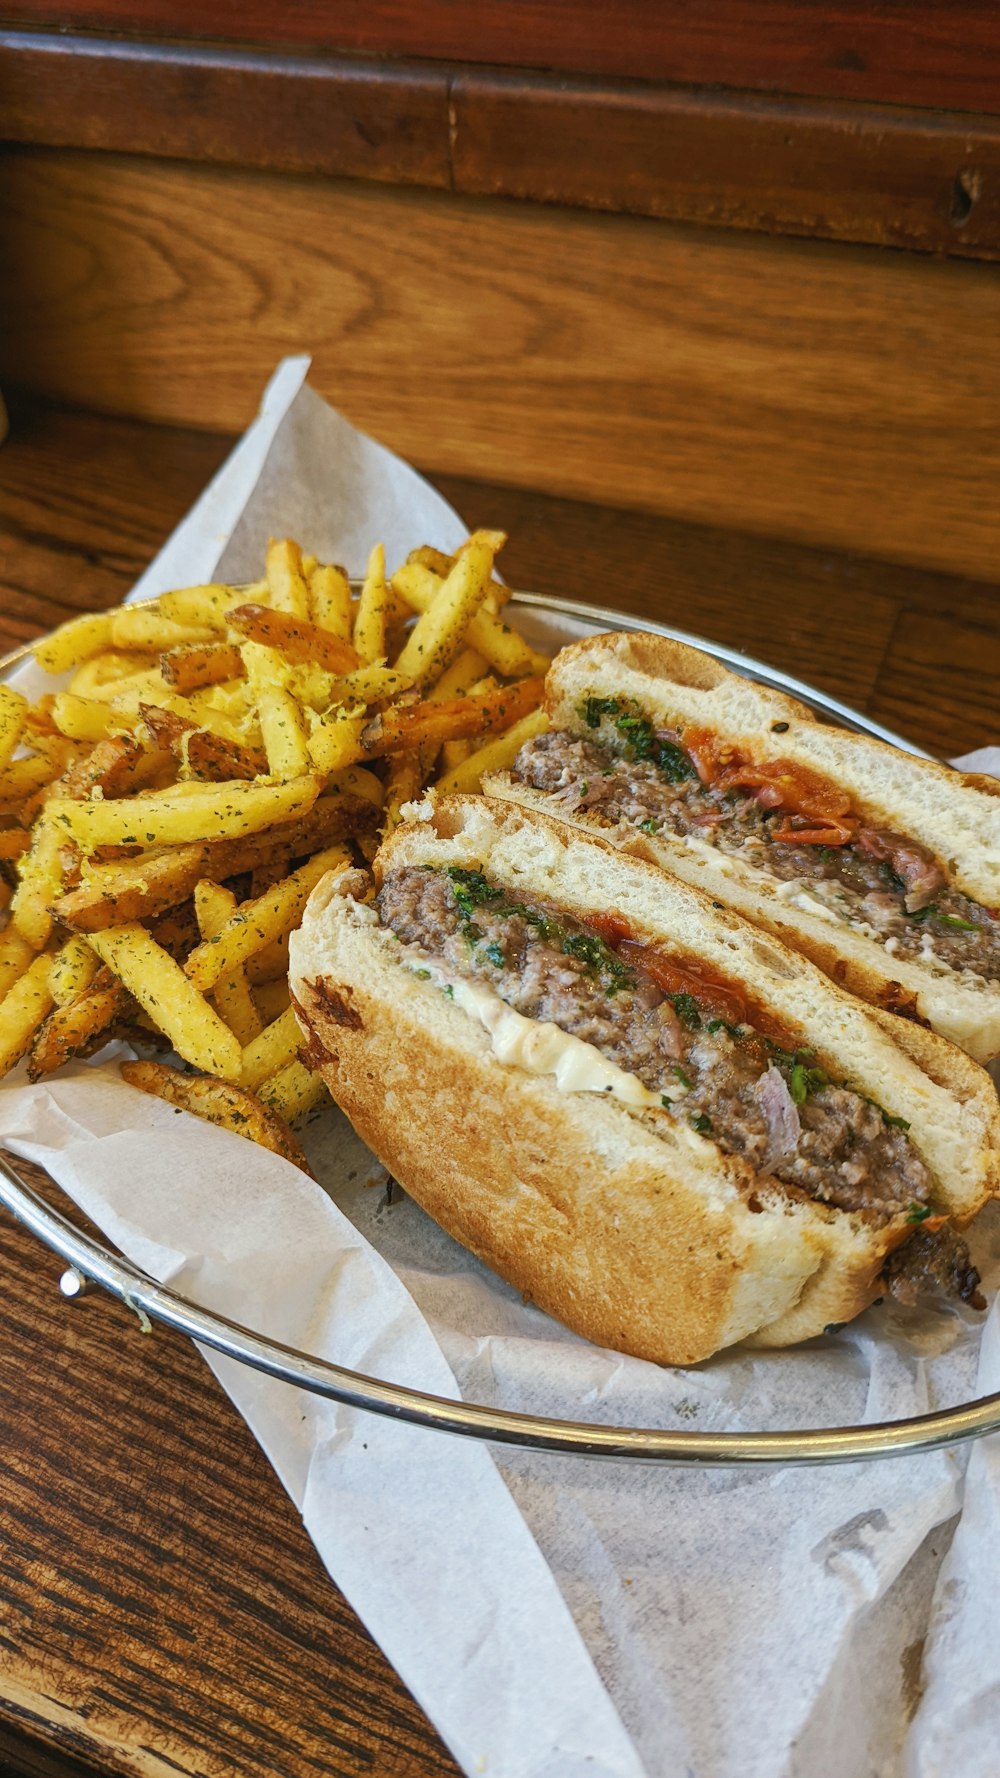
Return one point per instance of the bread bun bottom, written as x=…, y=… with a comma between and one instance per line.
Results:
x=633, y=1230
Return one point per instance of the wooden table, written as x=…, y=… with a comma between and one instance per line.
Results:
x=161, y=1608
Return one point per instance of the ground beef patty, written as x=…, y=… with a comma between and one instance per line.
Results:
x=592, y=775
x=745, y=1091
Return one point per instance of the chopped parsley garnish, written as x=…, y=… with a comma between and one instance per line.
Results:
x=639, y=738
x=472, y=890
x=650, y=826
x=686, y=1007
x=700, y=1121
x=918, y=1212
x=680, y=1075
x=952, y=921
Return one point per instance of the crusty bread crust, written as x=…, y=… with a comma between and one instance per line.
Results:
x=628, y=1226
x=956, y=815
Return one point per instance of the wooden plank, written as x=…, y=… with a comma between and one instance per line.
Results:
x=924, y=180
x=923, y=53
x=303, y=114
x=832, y=395
x=944, y=669
x=162, y=1608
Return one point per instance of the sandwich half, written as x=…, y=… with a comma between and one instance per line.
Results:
x=665, y=1128
x=881, y=867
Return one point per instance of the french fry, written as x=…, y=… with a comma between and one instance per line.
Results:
x=458, y=680
x=103, y=674
x=500, y=644
x=406, y=777
x=255, y=924
x=297, y=639
x=172, y=1001
x=439, y=631
x=144, y=626
x=206, y=607
x=109, y=767
x=74, y=967
x=271, y=998
x=375, y=608
x=414, y=725
x=74, y=642
x=40, y=873
x=284, y=578
x=215, y=732
x=230, y=1107
x=13, y=711
x=74, y=1029
x=131, y=889
x=335, y=738
x=21, y=779
x=368, y=685
x=330, y=600
x=233, y=1000
x=196, y=664
x=293, y=1092
x=276, y=1046
x=200, y=752
x=495, y=756
x=170, y=818
x=15, y=956
x=283, y=732
x=82, y=719
x=269, y=965
x=22, y=1010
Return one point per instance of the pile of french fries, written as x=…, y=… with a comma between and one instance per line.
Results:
x=211, y=754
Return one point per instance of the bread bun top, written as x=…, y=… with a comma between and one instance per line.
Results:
x=955, y=815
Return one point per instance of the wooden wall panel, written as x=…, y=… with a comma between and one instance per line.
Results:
x=842, y=171
x=827, y=394
x=909, y=52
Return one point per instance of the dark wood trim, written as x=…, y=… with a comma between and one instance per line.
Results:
x=297, y=114
x=906, y=52
x=923, y=180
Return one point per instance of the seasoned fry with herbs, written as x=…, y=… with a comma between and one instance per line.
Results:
x=218, y=1103
x=201, y=762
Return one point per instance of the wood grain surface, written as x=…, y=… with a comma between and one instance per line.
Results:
x=836, y=170
x=928, y=180
x=161, y=1608
x=831, y=395
x=922, y=53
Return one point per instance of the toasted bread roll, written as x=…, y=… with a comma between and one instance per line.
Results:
x=624, y=1098
x=882, y=867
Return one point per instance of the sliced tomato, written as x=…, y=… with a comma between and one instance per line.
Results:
x=708, y=752
x=686, y=976
x=611, y=927
x=820, y=834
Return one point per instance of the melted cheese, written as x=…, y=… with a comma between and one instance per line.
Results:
x=542, y=1048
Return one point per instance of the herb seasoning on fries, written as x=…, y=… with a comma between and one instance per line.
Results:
x=165, y=815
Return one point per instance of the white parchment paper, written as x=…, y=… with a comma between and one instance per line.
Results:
x=553, y=1616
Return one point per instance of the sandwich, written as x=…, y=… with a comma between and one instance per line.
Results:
x=883, y=868
x=662, y=1126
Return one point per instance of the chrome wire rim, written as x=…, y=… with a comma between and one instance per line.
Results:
x=138, y=1291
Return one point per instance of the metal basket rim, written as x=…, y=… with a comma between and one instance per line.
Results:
x=135, y=1288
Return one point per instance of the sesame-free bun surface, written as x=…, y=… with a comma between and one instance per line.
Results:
x=628, y=1226
x=956, y=816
